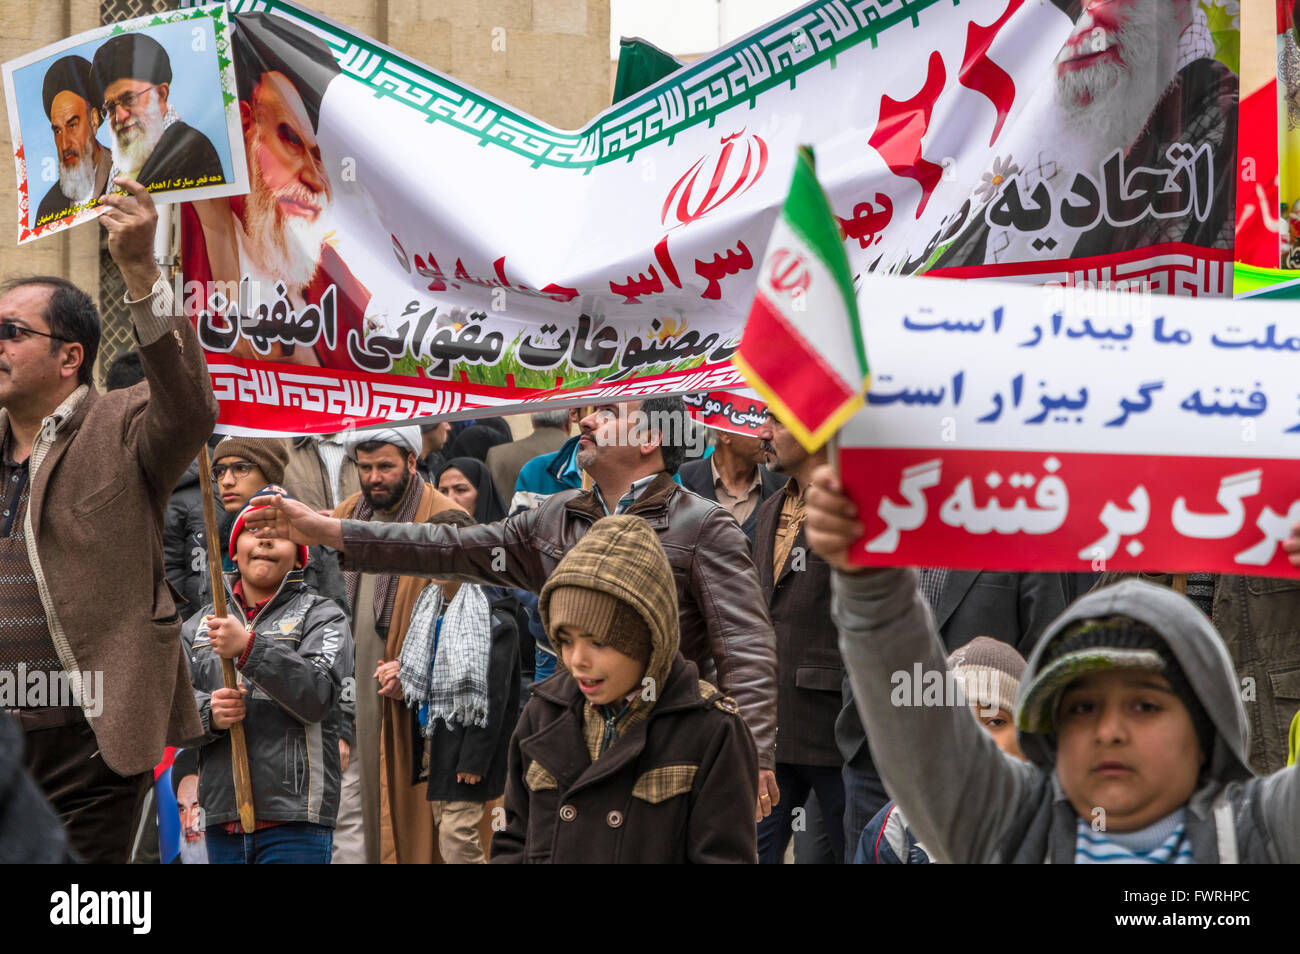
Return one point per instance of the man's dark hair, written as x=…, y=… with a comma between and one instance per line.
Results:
x=454, y=516
x=71, y=314
x=124, y=372
x=558, y=418
x=669, y=415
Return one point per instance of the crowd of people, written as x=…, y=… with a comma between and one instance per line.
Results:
x=455, y=646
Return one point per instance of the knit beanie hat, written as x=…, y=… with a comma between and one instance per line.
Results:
x=990, y=670
x=1101, y=645
x=238, y=526
x=600, y=614
x=268, y=453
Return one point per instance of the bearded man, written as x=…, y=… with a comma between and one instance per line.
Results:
x=394, y=814
x=74, y=116
x=279, y=233
x=151, y=144
x=1140, y=77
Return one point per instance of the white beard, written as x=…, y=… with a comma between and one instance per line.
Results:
x=77, y=183
x=1110, y=103
x=130, y=156
x=285, y=247
x=194, y=853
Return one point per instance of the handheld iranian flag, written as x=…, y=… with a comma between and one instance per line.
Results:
x=802, y=347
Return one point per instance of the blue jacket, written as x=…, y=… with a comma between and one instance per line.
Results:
x=551, y=473
x=887, y=840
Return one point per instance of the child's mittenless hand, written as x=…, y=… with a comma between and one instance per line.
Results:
x=468, y=778
x=228, y=707
x=229, y=638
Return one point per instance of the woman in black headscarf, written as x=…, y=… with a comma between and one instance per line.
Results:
x=469, y=485
x=476, y=440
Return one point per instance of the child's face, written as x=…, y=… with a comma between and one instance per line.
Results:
x=603, y=673
x=237, y=488
x=1002, y=727
x=264, y=563
x=1126, y=744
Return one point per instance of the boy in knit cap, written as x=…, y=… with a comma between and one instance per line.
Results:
x=625, y=755
x=240, y=465
x=242, y=468
x=295, y=649
x=987, y=674
x=1129, y=715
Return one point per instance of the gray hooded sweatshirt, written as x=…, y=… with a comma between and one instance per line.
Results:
x=967, y=802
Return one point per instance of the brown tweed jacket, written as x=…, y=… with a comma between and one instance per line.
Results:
x=99, y=491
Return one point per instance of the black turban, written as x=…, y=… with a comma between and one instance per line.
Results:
x=70, y=73
x=135, y=56
x=265, y=43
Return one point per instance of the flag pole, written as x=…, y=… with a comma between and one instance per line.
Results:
x=238, y=744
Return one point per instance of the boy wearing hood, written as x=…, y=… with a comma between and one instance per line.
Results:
x=1128, y=713
x=625, y=755
x=293, y=647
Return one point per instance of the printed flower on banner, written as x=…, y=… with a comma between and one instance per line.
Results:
x=670, y=329
x=991, y=182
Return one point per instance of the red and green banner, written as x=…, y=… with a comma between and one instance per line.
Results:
x=802, y=349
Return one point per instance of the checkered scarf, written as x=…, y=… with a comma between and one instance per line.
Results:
x=453, y=679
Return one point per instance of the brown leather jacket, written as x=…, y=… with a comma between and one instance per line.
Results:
x=723, y=615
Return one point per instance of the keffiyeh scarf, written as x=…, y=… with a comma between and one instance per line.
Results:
x=447, y=667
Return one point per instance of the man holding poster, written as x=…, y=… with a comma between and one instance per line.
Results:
x=90, y=654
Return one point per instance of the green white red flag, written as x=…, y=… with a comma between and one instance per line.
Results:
x=802, y=347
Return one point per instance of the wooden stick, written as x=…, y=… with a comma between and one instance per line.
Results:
x=238, y=745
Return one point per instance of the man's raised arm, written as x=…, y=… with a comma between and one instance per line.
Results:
x=181, y=410
x=499, y=554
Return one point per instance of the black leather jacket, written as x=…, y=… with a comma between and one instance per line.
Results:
x=297, y=671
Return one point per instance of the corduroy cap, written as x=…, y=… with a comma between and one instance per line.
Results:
x=268, y=453
x=604, y=616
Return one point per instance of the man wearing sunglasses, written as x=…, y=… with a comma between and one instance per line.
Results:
x=90, y=663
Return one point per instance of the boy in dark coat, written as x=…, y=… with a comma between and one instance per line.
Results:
x=465, y=762
x=625, y=755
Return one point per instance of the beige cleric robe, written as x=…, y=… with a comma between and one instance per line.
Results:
x=407, y=834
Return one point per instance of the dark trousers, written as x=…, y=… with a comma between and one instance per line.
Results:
x=864, y=795
x=98, y=808
x=795, y=782
x=293, y=843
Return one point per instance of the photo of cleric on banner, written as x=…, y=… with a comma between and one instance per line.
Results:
x=151, y=99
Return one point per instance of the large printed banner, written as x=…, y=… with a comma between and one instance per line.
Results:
x=1060, y=429
x=413, y=247
x=742, y=413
